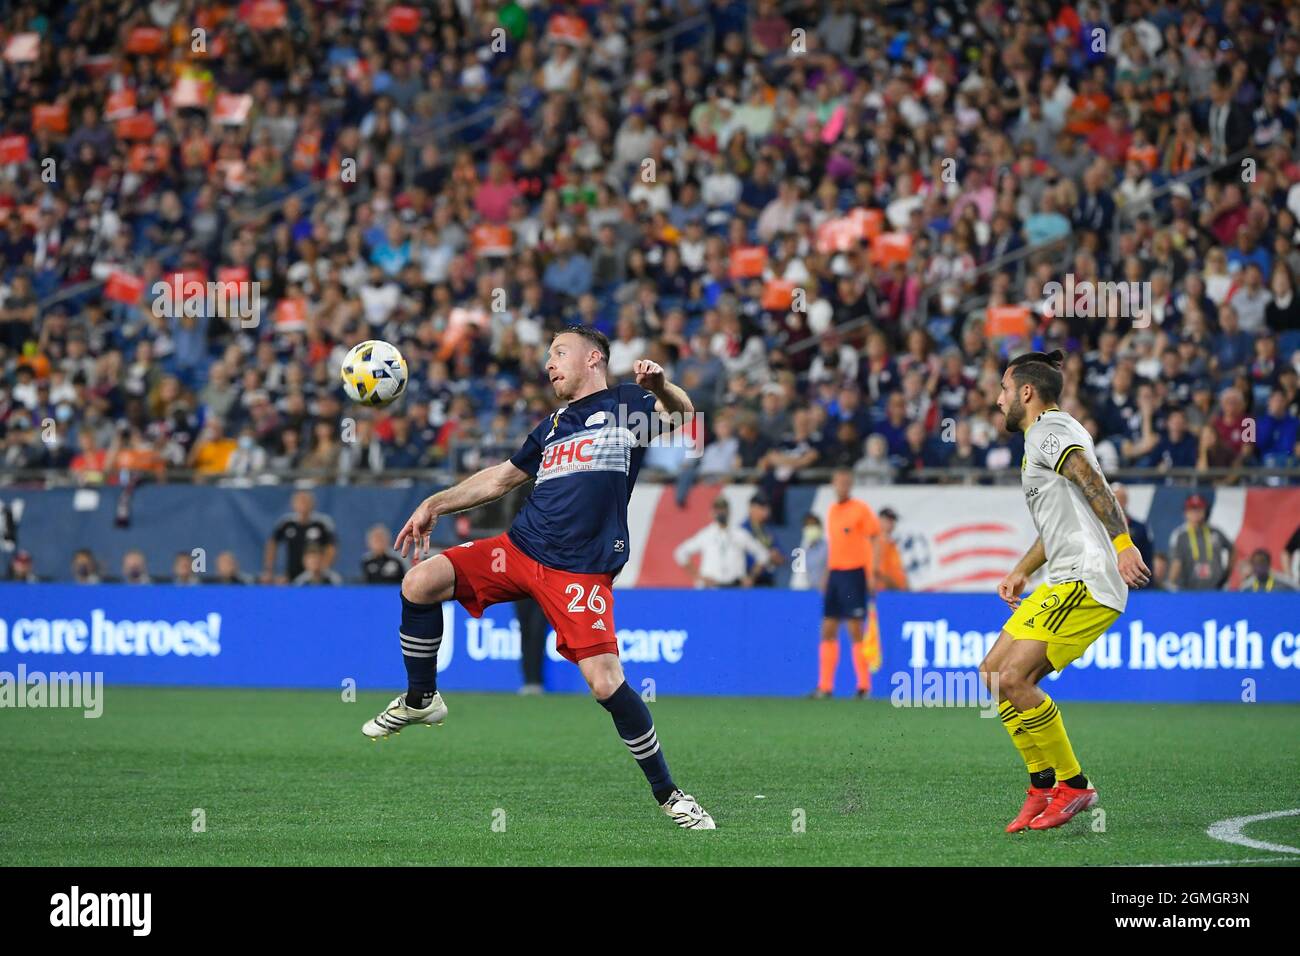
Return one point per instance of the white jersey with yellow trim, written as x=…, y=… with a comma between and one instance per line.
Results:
x=1076, y=542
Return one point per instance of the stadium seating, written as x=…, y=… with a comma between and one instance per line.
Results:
x=465, y=179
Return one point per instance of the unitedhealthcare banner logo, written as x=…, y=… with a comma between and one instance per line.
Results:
x=1171, y=647
x=1232, y=646
x=486, y=640
x=1179, y=647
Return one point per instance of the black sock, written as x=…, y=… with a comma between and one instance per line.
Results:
x=1078, y=782
x=633, y=723
x=1043, y=779
x=421, y=636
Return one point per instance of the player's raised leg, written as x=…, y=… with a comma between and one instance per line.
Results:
x=424, y=587
x=604, y=675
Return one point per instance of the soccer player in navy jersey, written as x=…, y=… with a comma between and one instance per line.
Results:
x=563, y=549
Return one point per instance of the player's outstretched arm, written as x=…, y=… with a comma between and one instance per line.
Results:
x=478, y=489
x=1101, y=499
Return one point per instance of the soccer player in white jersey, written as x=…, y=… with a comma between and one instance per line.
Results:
x=1091, y=563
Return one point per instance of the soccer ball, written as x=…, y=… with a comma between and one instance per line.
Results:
x=374, y=373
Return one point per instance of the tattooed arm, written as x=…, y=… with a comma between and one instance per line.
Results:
x=1097, y=493
x=1101, y=499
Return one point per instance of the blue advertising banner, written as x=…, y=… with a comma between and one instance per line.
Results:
x=1215, y=646
x=1182, y=647
x=687, y=642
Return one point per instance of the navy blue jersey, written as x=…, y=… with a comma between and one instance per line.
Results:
x=585, y=458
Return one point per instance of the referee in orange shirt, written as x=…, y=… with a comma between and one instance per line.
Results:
x=854, y=538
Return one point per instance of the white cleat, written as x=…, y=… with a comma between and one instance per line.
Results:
x=687, y=813
x=397, y=716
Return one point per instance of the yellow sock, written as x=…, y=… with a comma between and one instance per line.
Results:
x=1033, y=757
x=1047, y=731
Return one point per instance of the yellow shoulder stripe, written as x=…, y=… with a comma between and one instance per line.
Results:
x=1064, y=455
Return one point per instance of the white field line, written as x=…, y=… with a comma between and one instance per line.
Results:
x=1229, y=831
x=1260, y=859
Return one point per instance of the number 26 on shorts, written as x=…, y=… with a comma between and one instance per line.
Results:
x=594, y=602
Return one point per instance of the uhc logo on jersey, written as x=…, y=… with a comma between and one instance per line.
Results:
x=601, y=449
x=566, y=452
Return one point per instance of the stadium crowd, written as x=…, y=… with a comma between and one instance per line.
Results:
x=832, y=222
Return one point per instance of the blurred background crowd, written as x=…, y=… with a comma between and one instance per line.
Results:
x=832, y=222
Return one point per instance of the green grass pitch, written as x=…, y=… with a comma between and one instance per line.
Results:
x=285, y=777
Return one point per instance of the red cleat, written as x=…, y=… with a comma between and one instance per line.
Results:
x=1035, y=803
x=1065, y=803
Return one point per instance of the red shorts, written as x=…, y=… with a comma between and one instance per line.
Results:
x=579, y=606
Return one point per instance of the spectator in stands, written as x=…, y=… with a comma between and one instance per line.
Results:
x=135, y=568
x=798, y=451
x=747, y=151
x=1283, y=311
x=894, y=428
x=1200, y=556
x=875, y=466
x=1261, y=577
x=228, y=571
x=133, y=456
x=751, y=445
x=314, y=568
x=1277, y=431
x=361, y=451
x=1227, y=445
x=721, y=551
x=326, y=451
x=303, y=526
x=85, y=569
x=843, y=448
x=21, y=568
x=1227, y=125
x=1249, y=299
x=760, y=511
x=719, y=459
x=90, y=463
x=248, y=457
x=23, y=447
x=288, y=456
x=381, y=564
x=183, y=569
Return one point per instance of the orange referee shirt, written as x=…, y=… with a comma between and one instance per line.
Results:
x=892, y=571
x=850, y=526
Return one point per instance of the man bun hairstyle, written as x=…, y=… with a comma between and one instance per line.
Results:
x=596, y=337
x=1042, y=370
